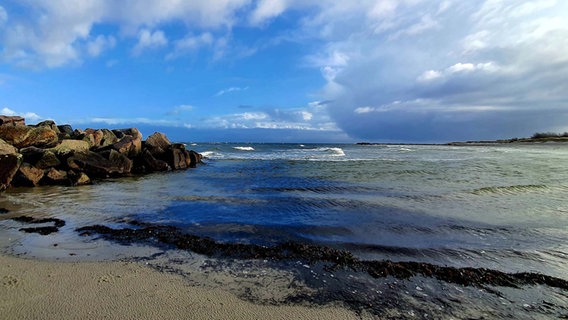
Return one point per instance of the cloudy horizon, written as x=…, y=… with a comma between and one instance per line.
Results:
x=290, y=70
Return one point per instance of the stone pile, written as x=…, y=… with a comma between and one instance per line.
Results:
x=50, y=154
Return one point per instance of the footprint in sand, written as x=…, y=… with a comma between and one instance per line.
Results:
x=10, y=281
x=108, y=278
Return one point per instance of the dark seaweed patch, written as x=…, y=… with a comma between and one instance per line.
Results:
x=45, y=230
x=335, y=259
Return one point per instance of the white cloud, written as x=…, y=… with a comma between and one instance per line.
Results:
x=29, y=116
x=229, y=90
x=364, y=110
x=444, y=6
x=313, y=117
x=191, y=43
x=100, y=44
x=3, y=16
x=471, y=60
x=53, y=33
x=461, y=67
x=181, y=109
x=129, y=121
x=149, y=40
x=267, y=9
x=429, y=76
x=306, y=116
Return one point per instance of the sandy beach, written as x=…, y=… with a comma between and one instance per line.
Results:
x=33, y=289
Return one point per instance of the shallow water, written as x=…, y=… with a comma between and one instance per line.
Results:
x=501, y=207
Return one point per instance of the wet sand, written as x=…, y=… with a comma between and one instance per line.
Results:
x=35, y=289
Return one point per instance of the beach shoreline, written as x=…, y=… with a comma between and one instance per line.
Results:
x=37, y=289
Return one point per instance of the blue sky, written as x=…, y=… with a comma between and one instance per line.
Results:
x=289, y=70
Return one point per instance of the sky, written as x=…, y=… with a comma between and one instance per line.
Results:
x=289, y=70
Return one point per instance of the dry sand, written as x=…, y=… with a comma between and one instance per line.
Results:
x=33, y=289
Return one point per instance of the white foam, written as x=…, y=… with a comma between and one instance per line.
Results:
x=338, y=152
x=244, y=148
x=208, y=154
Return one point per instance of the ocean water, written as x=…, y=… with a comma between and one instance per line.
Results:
x=501, y=207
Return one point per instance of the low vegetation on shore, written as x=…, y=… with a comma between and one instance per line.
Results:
x=538, y=137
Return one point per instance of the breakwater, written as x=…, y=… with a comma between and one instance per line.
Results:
x=51, y=154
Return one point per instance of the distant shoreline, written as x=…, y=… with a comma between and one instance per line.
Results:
x=475, y=142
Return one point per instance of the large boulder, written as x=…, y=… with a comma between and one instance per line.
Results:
x=130, y=146
x=118, y=160
x=65, y=129
x=42, y=137
x=6, y=148
x=96, y=165
x=109, y=138
x=93, y=137
x=194, y=158
x=50, y=124
x=25, y=136
x=12, y=121
x=40, y=158
x=10, y=162
x=78, y=178
x=55, y=177
x=121, y=133
x=65, y=132
x=157, y=144
x=146, y=163
x=68, y=146
x=176, y=157
x=14, y=134
x=27, y=176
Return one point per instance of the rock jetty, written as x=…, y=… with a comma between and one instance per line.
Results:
x=50, y=154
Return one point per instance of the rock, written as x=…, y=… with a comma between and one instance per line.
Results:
x=48, y=160
x=40, y=158
x=67, y=147
x=147, y=163
x=50, y=124
x=121, y=133
x=14, y=134
x=55, y=177
x=10, y=162
x=195, y=158
x=118, y=160
x=6, y=148
x=65, y=129
x=78, y=179
x=109, y=138
x=78, y=134
x=130, y=146
x=12, y=121
x=27, y=176
x=32, y=154
x=95, y=165
x=176, y=157
x=157, y=144
x=38, y=137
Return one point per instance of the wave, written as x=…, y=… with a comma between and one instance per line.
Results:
x=335, y=151
x=509, y=189
x=244, y=148
x=209, y=154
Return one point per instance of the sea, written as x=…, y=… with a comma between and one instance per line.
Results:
x=497, y=206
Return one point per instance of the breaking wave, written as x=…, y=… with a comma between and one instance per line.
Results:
x=244, y=148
